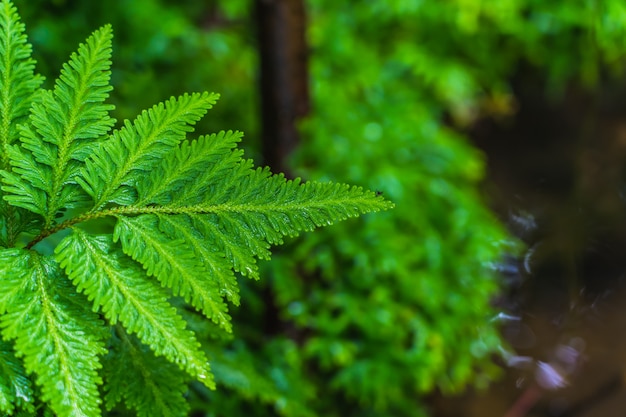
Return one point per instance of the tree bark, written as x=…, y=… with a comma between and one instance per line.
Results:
x=283, y=77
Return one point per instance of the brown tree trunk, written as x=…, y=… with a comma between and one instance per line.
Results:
x=283, y=76
x=284, y=99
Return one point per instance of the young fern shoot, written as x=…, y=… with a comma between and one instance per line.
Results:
x=103, y=231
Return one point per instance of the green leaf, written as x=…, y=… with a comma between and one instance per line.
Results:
x=240, y=210
x=17, y=80
x=140, y=146
x=64, y=124
x=59, y=339
x=149, y=385
x=207, y=250
x=259, y=206
x=117, y=286
x=206, y=154
x=173, y=263
x=26, y=193
x=16, y=390
x=18, y=85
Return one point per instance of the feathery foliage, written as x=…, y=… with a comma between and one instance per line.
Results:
x=111, y=240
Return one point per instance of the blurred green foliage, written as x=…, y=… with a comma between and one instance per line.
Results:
x=178, y=46
x=367, y=317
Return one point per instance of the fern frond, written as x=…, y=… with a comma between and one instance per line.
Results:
x=140, y=146
x=230, y=185
x=238, y=209
x=274, y=207
x=65, y=125
x=241, y=221
x=239, y=248
x=149, y=385
x=228, y=214
x=28, y=194
x=193, y=158
x=15, y=221
x=206, y=248
x=196, y=168
x=17, y=79
x=220, y=179
x=117, y=286
x=173, y=264
x=18, y=85
x=15, y=388
x=255, y=207
x=59, y=339
x=231, y=231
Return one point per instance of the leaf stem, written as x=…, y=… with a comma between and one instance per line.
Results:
x=92, y=215
x=67, y=224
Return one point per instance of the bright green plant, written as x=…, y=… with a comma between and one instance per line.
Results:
x=108, y=237
x=372, y=314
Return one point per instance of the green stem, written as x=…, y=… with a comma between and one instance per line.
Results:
x=130, y=210
x=10, y=225
x=67, y=224
x=92, y=215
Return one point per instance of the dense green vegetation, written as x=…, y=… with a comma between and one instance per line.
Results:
x=106, y=236
x=367, y=317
